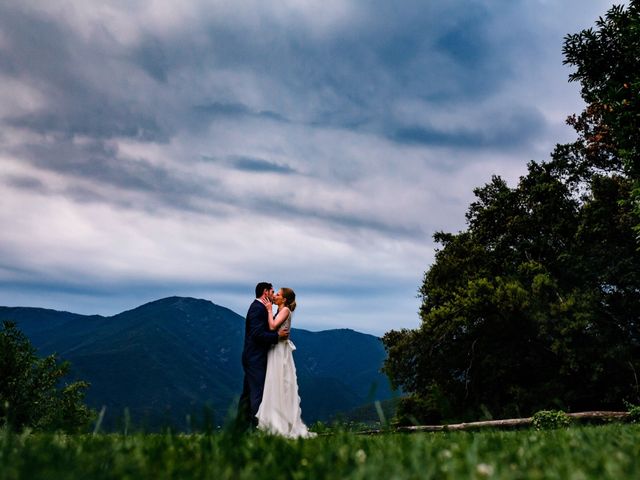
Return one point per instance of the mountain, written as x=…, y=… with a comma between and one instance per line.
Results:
x=177, y=356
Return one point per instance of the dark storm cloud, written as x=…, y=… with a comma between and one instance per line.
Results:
x=514, y=130
x=467, y=42
x=352, y=77
x=345, y=220
x=25, y=182
x=56, y=63
x=37, y=46
x=348, y=79
x=95, y=119
x=441, y=54
x=35, y=281
x=152, y=58
x=101, y=164
x=36, y=284
x=251, y=164
x=222, y=109
x=12, y=268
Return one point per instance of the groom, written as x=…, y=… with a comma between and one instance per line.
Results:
x=258, y=338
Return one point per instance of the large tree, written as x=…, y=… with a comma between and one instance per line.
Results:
x=31, y=394
x=537, y=303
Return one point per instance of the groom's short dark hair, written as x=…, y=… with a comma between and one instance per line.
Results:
x=261, y=287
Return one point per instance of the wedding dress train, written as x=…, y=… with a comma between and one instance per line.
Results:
x=280, y=412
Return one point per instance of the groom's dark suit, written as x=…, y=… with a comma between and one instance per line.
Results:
x=257, y=341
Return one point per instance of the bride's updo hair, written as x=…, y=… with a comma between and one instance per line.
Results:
x=289, y=298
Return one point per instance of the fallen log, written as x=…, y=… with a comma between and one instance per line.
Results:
x=510, y=422
x=599, y=415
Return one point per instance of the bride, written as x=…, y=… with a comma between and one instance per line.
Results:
x=279, y=411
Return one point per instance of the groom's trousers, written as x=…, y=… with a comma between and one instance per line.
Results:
x=251, y=397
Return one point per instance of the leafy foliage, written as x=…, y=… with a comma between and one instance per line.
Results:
x=29, y=391
x=536, y=304
x=550, y=419
x=607, y=66
x=634, y=412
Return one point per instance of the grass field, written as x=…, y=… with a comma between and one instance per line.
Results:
x=598, y=452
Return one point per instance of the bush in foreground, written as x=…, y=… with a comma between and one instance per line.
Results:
x=30, y=391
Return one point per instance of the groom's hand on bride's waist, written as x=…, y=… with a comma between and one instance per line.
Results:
x=283, y=334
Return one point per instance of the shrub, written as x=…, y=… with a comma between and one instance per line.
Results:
x=31, y=393
x=633, y=411
x=550, y=419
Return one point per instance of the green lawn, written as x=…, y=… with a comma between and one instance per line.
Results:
x=598, y=452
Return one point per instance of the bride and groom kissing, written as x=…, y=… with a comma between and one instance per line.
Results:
x=269, y=399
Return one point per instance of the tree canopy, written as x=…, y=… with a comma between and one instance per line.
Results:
x=30, y=390
x=606, y=61
x=537, y=303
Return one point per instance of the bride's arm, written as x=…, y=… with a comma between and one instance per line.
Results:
x=274, y=323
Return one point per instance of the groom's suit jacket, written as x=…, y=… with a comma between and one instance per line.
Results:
x=257, y=336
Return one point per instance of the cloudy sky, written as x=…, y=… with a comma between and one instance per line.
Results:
x=156, y=148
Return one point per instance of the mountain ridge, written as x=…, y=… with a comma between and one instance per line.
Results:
x=171, y=357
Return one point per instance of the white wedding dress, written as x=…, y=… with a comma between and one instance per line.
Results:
x=280, y=412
